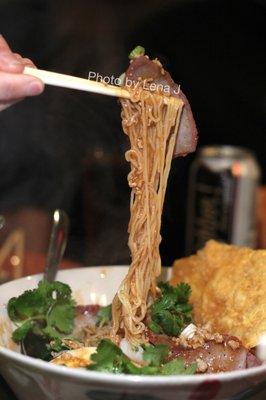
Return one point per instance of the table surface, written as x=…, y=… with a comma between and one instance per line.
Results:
x=5, y=392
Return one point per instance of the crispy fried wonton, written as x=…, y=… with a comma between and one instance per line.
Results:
x=228, y=289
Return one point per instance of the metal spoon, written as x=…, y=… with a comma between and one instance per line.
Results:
x=2, y=225
x=2, y=221
x=34, y=345
x=57, y=244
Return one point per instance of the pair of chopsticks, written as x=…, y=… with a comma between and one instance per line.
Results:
x=73, y=82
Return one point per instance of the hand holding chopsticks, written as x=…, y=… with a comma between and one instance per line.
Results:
x=14, y=86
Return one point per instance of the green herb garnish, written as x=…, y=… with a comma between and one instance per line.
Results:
x=171, y=313
x=155, y=355
x=136, y=52
x=47, y=311
x=110, y=358
x=104, y=315
x=58, y=345
x=177, y=367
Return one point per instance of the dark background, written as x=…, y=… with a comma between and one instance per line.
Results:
x=66, y=148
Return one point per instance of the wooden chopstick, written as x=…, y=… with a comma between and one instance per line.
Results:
x=73, y=82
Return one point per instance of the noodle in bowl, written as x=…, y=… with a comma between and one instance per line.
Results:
x=32, y=379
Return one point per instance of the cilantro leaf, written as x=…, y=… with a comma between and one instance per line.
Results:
x=61, y=317
x=177, y=367
x=27, y=305
x=58, y=345
x=21, y=332
x=110, y=358
x=155, y=355
x=104, y=315
x=171, y=312
x=60, y=290
x=191, y=369
x=171, y=324
x=154, y=327
x=132, y=369
x=48, y=311
x=181, y=291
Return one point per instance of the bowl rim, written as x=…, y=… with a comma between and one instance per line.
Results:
x=118, y=379
x=128, y=380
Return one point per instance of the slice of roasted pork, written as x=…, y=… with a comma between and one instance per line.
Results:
x=152, y=72
x=211, y=356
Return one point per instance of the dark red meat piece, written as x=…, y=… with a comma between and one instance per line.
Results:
x=144, y=68
x=91, y=309
x=252, y=360
x=219, y=357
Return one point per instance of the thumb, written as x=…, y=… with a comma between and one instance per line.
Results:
x=16, y=86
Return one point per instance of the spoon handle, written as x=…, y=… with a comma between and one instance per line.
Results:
x=57, y=244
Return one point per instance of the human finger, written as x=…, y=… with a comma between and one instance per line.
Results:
x=16, y=86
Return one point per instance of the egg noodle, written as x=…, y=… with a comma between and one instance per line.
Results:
x=151, y=124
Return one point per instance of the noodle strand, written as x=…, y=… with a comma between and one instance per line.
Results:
x=152, y=127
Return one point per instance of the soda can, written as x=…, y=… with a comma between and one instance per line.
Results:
x=222, y=190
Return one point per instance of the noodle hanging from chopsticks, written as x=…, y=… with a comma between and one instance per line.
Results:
x=152, y=127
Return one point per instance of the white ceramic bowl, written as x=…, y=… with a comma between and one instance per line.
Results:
x=33, y=379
